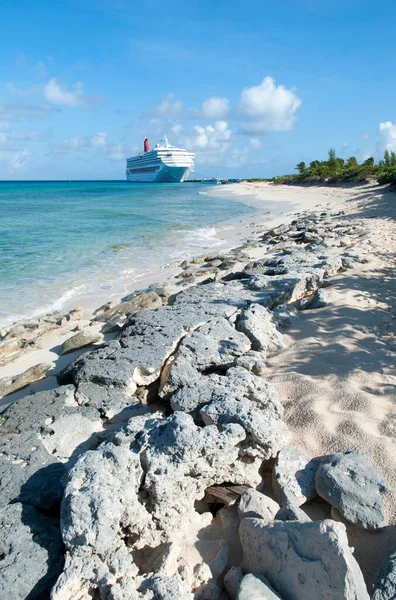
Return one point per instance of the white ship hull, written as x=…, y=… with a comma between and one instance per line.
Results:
x=163, y=164
x=164, y=175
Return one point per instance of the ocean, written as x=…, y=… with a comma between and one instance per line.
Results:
x=60, y=241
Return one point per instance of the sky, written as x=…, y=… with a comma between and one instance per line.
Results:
x=252, y=88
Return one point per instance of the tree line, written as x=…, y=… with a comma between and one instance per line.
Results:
x=337, y=169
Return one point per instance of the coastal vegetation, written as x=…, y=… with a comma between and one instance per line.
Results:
x=337, y=170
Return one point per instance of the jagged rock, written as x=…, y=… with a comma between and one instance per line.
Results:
x=276, y=231
x=252, y=403
x=147, y=341
x=100, y=496
x=8, y=385
x=294, y=477
x=285, y=315
x=320, y=299
x=256, y=587
x=255, y=504
x=257, y=324
x=383, y=584
x=355, y=256
x=252, y=361
x=74, y=315
x=111, y=403
x=303, y=561
x=232, y=581
x=31, y=553
x=38, y=434
x=173, y=448
x=131, y=304
x=80, y=340
x=160, y=587
x=282, y=289
x=215, y=344
x=289, y=512
x=114, y=325
x=349, y=483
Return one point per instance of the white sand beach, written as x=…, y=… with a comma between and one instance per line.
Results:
x=336, y=376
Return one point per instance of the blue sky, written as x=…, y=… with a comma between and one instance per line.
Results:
x=251, y=87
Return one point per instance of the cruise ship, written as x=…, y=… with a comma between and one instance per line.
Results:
x=163, y=164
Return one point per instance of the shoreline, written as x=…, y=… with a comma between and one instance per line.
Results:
x=292, y=331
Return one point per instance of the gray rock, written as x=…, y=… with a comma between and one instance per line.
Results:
x=320, y=299
x=285, y=315
x=282, y=289
x=257, y=324
x=294, y=477
x=31, y=553
x=147, y=341
x=255, y=504
x=254, y=362
x=215, y=344
x=252, y=403
x=80, y=340
x=383, y=584
x=303, y=561
x=349, y=483
x=131, y=304
x=38, y=433
x=8, y=385
x=289, y=512
x=256, y=587
x=232, y=581
x=160, y=587
x=111, y=403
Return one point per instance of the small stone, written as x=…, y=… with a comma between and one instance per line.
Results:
x=349, y=483
x=255, y=504
x=80, y=340
x=291, y=513
x=256, y=587
x=232, y=581
x=294, y=477
x=383, y=584
x=8, y=385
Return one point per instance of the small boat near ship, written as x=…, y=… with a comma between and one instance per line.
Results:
x=165, y=163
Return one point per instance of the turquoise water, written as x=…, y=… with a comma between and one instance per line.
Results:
x=59, y=239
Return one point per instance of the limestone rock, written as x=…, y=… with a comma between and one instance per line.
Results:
x=349, y=483
x=215, y=344
x=294, y=477
x=303, y=561
x=320, y=299
x=289, y=512
x=256, y=587
x=80, y=340
x=383, y=585
x=232, y=581
x=8, y=385
x=160, y=587
x=257, y=324
x=252, y=403
x=38, y=433
x=131, y=304
x=31, y=552
x=255, y=504
x=146, y=342
x=285, y=315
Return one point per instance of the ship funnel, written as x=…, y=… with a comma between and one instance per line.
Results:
x=146, y=145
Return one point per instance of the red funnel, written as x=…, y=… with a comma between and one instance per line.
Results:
x=146, y=145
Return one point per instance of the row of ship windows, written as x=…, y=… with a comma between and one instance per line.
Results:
x=144, y=170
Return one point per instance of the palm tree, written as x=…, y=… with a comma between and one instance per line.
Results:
x=352, y=163
x=314, y=164
x=369, y=162
x=301, y=167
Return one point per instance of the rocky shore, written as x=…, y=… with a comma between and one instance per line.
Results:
x=162, y=466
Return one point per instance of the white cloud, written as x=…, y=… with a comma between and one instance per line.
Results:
x=117, y=152
x=211, y=136
x=267, y=107
x=31, y=91
x=14, y=160
x=40, y=69
x=387, y=136
x=255, y=142
x=169, y=107
x=176, y=129
x=54, y=94
x=99, y=139
x=213, y=108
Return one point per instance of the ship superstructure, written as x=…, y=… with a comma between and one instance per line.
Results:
x=163, y=164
